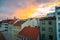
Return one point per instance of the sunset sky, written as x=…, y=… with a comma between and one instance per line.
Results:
x=24, y=9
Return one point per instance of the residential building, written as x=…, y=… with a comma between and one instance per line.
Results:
x=57, y=14
x=7, y=29
x=48, y=28
x=17, y=28
x=10, y=28
x=51, y=14
x=29, y=33
x=31, y=22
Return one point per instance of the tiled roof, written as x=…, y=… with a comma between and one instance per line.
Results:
x=19, y=23
x=12, y=21
x=31, y=32
x=4, y=21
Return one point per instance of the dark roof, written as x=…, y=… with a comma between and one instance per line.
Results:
x=19, y=23
x=48, y=18
x=2, y=36
x=30, y=32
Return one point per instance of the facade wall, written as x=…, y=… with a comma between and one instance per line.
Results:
x=11, y=32
x=17, y=29
x=2, y=27
x=32, y=23
x=46, y=29
x=57, y=12
x=7, y=31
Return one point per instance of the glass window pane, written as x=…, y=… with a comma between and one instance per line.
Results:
x=43, y=36
x=50, y=22
x=59, y=35
x=50, y=29
x=58, y=13
x=58, y=18
x=43, y=28
x=59, y=27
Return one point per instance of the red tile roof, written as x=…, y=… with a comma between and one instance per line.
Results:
x=31, y=32
x=4, y=21
x=12, y=21
x=19, y=23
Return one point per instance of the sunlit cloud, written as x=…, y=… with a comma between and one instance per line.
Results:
x=24, y=13
x=24, y=9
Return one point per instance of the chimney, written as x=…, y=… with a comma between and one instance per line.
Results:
x=14, y=17
x=7, y=18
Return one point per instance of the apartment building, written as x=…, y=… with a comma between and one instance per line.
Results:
x=57, y=14
x=48, y=28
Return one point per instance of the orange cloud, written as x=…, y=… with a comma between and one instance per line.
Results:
x=55, y=3
x=24, y=13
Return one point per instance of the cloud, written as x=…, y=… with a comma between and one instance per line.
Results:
x=45, y=1
x=8, y=7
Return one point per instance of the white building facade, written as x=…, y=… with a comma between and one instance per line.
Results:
x=31, y=22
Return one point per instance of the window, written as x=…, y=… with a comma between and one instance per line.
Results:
x=58, y=13
x=59, y=35
x=43, y=28
x=50, y=29
x=6, y=30
x=6, y=24
x=6, y=27
x=50, y=37
x=50, y=22
x=59, y=30
x=43, y=22
x=58, y=18
x=43, y=36
x=59, y=24
x=59, y=27
x=0, y=25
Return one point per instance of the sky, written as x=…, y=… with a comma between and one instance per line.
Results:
x=24, y=9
